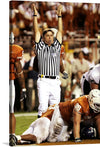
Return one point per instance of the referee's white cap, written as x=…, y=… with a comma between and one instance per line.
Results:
x=53, y=30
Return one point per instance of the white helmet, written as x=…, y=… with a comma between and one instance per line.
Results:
x=94, y=100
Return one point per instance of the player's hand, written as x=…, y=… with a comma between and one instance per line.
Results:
x=59, y=10
x=65, y=75
x=23, y=94
x=77, y=140
x=33, y=7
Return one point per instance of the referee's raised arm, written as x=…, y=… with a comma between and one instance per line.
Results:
x=35, y=23
x=59, y=33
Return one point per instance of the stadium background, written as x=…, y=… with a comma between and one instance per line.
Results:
x=81, y=29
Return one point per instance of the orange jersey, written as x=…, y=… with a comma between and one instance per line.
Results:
x=16, y=53
x=80, y=105
x=49, y=112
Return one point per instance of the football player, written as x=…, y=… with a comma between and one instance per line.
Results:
x=54, y=125
x=16, y=53
x=91, y=79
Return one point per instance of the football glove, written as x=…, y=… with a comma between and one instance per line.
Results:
x=65, y=75
x=77, y=140
x=23, y=94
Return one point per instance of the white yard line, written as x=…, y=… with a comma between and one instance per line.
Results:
x=26, y=114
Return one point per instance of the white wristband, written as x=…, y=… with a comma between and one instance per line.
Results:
x=18, y=137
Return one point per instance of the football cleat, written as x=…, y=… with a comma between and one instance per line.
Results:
x=12, y=140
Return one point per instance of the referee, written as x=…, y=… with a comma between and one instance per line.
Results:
x=48, y=53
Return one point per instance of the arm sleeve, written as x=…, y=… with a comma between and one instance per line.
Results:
x=78, y=108
x=57, y=45
x=39, y=45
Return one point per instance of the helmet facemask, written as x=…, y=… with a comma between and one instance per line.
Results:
x=97, y=108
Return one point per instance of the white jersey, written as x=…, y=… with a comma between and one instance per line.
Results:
x=93, y=75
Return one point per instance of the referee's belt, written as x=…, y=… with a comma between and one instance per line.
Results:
x=49, y=77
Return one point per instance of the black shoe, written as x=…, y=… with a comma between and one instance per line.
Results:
x=38, y=116
x=12, y=140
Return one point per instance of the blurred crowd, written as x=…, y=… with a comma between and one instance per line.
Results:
x=76, y=16
x=81, y=61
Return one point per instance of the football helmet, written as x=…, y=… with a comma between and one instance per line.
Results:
x=88, y=132
x=94, y=100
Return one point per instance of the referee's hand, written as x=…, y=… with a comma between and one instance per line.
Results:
x=65, y=75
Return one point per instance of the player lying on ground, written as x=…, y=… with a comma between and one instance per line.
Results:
x=55, y=122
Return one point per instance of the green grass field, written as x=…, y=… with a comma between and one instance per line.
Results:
x=23, y=122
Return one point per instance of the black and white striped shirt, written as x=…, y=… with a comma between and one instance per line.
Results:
x=48, y=58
